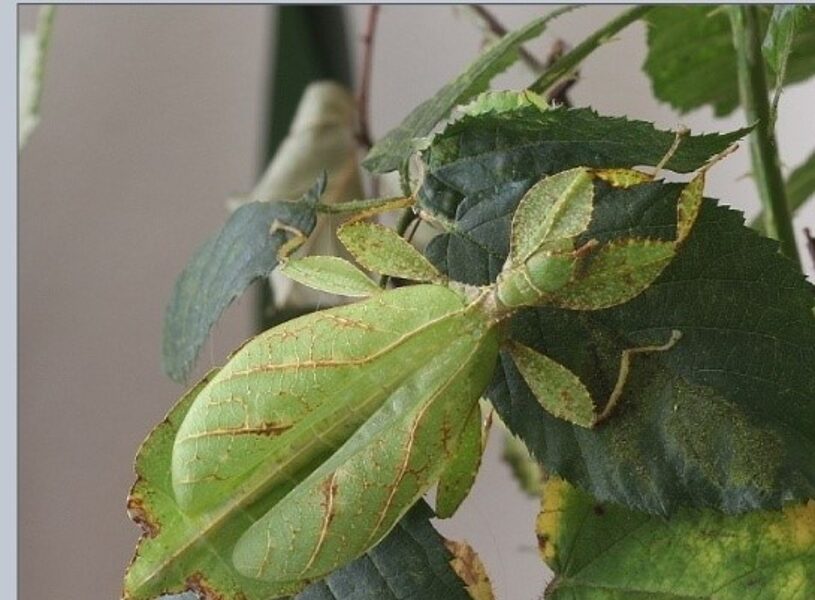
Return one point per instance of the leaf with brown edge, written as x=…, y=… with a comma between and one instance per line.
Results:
x=468, y=566
x=602, y=551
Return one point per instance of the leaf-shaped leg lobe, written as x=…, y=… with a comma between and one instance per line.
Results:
x=352, y=500
x=557, y=389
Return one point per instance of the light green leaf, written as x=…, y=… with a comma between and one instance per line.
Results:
x=691, y=61
x=780, y=34
x=395, y=148
x=244, y=250
x=459, y=475
x=604, y=552
x=382, y=250
x=33, y=50
x=330, y=274
x=559, y=391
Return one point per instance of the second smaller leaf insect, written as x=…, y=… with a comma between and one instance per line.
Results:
x=329, y=427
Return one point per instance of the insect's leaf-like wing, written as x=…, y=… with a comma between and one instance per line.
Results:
x=245, y=249
x=596, y=551
x=748, y=335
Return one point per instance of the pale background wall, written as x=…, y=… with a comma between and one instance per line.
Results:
x=151, y=118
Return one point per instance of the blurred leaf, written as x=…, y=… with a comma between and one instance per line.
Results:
x=244, y=250
x=321, y=139
x=800, y=188
x=691, y=61
x=780, y=34
x=745, y=314
x=33, y=50
x=603, y=552
x=801, y=183
x=395, y=148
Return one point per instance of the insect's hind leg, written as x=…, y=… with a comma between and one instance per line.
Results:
x=625, y=367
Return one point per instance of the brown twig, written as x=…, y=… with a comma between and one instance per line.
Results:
x=559, y=93
x=364, y=132
x=496, y=27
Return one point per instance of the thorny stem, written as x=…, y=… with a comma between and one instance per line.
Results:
x=364, y=133
x=754, y=92
x=566, y=63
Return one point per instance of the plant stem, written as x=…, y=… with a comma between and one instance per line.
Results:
x=754, y=95
x=566, y=63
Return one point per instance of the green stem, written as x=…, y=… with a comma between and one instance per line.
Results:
x=566, y=63
x=754, y=94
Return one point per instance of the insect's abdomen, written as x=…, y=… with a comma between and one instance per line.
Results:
x=354, y=499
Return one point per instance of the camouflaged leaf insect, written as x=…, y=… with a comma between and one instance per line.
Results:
x=318, y=435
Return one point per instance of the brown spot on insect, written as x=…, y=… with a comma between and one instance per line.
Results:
x=599, y=510
x=137, y=513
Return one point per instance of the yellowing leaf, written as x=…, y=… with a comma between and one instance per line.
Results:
x=601, y=551
x=468, y=566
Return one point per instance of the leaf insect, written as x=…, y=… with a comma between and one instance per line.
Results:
x=318, y=435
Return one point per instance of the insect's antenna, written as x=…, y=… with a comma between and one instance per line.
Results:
x=680, y=134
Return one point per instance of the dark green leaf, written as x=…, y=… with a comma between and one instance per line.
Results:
x=691, y=61
x=495, y=154
x=746, y=357
x=602, y=552
x=393, y=149
x=412, y=563
x=244, y=250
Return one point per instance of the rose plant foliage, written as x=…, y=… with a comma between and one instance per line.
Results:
x=654, y=355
